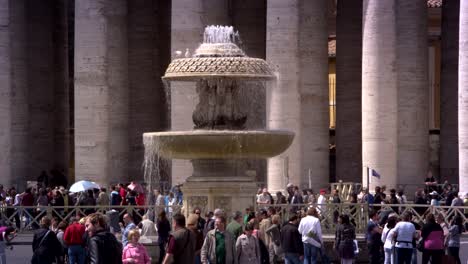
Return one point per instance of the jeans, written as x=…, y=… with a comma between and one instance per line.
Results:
x=310, y=254
x=455, y=252
x=76, y=254
x=414, y=259
x=404, y=255
x=292, y=258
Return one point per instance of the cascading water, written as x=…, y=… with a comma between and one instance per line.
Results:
x=219, y=144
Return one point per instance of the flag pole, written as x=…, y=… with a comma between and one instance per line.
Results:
x=368, y=179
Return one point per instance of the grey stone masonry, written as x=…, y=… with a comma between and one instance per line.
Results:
x=379, y=93
x=101, y=91
x=413, y=93
x=463, y=96
x=297, y=47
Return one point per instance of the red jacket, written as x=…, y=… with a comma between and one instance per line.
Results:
x=74, y=234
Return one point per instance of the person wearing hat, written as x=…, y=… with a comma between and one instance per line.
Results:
x=434, y=198
x=321, y=201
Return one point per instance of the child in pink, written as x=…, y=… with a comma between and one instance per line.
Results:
x=135, y=252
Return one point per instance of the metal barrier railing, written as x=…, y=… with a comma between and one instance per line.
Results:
x=28, y=217
x=358, y=212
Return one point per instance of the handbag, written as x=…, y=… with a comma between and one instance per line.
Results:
x=420, y=245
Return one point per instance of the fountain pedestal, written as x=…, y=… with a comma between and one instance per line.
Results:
x=230, y=196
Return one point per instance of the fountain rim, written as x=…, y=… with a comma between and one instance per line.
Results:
x=224, y=132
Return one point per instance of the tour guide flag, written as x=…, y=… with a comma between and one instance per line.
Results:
x=372, y=173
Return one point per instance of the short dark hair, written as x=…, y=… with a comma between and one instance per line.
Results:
x=249, y=227
x=179, y=219
x=222, y=219
x=344, y=219
x=293, y=218
x=372, y=213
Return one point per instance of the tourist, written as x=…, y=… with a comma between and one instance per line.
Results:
x=453, y=239
x=276, y=254
x=310, y=197
x=373, y=238
x=103, y=199
x=264, y=224
x=264, y=198
x=292, y=242
x=219, y=246
x=148, y=228
x=336, y=201
x=164, y=227
x=388, y=238
x=46, y=247
x=192, y=225
x=457, y=201
x=210, y=222
x=433, y=240
x=344, y=239
x=430, y=182
x=434, y=198
x=62, y=226
x=123, y=194
x=159, y=199
x=311, y=232
x=73, y=237
x=441, y=221
x=131, y=198
x=280, y=198
x=247, y=247
x=297, y=197
x=201, y=221
x=7, y=233
x=235, y=226
x=420, y=201
x=103, y=247
x=129, y=225
x=115, y=198
x=404, y=235
x=135, y=252
x=321, y=201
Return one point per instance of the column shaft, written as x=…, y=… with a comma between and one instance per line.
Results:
x=379, y=93
x=297, y=47
x=413, y=93
x=101, y=91
x=463, y=96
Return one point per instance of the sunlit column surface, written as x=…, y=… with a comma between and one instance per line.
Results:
x=463, y=96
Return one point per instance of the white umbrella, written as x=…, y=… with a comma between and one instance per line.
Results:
x=82, y=186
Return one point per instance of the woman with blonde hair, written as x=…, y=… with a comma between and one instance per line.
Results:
x=135, y=252
x=192, y=225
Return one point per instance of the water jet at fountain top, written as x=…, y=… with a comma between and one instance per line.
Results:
x=220, y=69
x=219, y=57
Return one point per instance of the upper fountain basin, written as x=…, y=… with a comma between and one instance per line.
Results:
x=219, y=144
x=243, y=68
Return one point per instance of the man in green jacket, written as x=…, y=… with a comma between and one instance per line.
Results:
x=219, y=246
x=235, y=227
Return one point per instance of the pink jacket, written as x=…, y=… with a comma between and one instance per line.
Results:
x=137, y=253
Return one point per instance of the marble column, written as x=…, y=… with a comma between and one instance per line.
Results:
x=101, y=91
x=13, y=95
x=413, y=93
x=348, y=91
x=463, y=96
x=297, y=47
x=379, y=93
x=189, y=19
x=449, y=91
x=147, y=60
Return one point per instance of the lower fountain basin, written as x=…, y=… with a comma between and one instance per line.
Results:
x=219, y=144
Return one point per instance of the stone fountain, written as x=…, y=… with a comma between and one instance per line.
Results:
x=219, y=144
